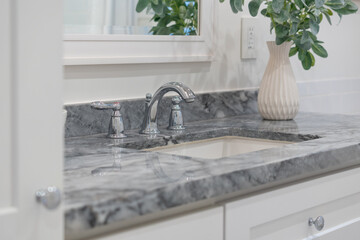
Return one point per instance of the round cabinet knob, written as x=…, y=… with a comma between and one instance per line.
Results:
x=50, y=197
x=319, y=223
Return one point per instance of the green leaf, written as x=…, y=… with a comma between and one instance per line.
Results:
x=305, y=37
x=349, y=8
x=254, y=6
x=294, y=28
x=306, y=6
x=293, y=51
x=307, y=61
x=158, y=9
x=281, y=31
x=312, y=59
x=271, y=27
x=141, y=5
x=277, y=5
x=279, y=41
x=314, y=26
x=238, y=5
x=302, y=54
x=340, y=17
x=313, y=37
x=327, y=17
x=319, y=50
x=294, y=17
x=335, y=4
x=310, y=2
x=269, y=8
x=319, y=3
x=163, y=22
x=312, y=17
x=232, y=5
x=264, y=12
x=282, y=17
x=299, y=3
x=305, y=46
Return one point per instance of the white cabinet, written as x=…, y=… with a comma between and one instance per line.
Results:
x=283, y=214
x=204, y=225
x=31, y=136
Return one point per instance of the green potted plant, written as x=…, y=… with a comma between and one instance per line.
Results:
x=296, y=24
x=172, y=17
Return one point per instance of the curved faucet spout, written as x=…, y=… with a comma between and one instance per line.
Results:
x=149, y=125
x=184, y=91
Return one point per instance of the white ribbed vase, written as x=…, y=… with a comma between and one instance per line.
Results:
x=278, y=97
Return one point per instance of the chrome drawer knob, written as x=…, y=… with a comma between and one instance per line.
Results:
x=319, y=223
x=50, y=197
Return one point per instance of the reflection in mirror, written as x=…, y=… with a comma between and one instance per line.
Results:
x=136, y=17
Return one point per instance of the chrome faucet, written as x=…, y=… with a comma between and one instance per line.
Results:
x=149, y=125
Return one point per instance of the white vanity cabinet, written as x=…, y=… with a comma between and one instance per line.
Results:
x=283, y=214
x=31, y=130
x=203, y=225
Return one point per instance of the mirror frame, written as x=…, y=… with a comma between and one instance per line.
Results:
x=133, y=49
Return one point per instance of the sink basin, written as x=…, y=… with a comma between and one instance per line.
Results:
x=219, y=147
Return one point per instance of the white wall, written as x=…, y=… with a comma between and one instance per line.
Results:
x=330, y=96
x=227, y=71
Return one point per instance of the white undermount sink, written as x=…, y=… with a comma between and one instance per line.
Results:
x=219, y=147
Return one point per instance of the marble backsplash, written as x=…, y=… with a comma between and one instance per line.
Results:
x=82, y=120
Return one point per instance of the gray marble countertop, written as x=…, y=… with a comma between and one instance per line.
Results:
x=110, y=182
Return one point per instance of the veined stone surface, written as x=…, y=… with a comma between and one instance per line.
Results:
x=141, y=183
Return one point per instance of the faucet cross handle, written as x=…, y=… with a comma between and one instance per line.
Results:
x=116, y=125
x=176, y=121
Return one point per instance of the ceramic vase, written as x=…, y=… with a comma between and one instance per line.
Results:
x=278, y=97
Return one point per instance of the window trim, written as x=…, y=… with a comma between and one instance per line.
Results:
x=140, y=49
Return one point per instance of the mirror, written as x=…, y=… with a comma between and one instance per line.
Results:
x=131, y=17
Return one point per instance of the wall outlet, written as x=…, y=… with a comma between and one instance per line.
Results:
x=249, y=37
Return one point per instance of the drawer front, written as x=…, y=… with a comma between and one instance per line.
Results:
x=348, y=230
x=207, y=225
x=283, y=214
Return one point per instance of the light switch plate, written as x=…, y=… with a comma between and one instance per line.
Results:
x=249, y=37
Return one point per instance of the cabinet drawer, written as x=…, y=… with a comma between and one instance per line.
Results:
x=283, y=214
x=206, y=224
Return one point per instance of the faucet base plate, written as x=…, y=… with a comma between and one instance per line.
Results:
x=150, y=131
x=176, y=128
x=116, y=136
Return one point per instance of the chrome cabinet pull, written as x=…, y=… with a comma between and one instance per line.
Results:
x=318, y=223
x=50, y=197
